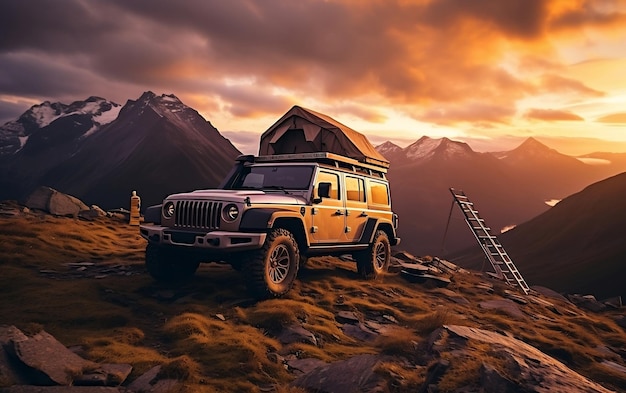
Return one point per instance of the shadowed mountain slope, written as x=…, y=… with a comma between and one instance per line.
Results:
x=576, y=247
x=156, y=146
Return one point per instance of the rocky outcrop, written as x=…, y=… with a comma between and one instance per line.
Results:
x=55, y=202
x=526, y=369
x=38, y=363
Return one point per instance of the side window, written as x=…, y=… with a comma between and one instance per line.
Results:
x=380, y=193
x=355, y=189
x=333, y=179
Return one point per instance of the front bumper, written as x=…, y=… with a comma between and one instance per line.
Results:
x=214, y=241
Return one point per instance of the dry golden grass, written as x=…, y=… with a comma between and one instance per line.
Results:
x=128, y=318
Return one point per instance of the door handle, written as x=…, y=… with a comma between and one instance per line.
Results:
x=363, y=214
x=339, y=213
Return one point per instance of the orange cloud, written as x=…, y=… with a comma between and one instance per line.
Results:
x=613, y=118
x=552, y=115
x=555, y=83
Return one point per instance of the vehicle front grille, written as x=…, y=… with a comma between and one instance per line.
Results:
x=198, y=214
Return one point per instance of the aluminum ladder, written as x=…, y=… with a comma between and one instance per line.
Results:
x=494, y=251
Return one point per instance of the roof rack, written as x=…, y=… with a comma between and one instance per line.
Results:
x=333, y=159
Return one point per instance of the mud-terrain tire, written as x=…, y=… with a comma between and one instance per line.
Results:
x=165, y=265
x=272, y=270
x=375, y=260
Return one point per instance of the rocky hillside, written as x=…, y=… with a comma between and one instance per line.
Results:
x=82, y=289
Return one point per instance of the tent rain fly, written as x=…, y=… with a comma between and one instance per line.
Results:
x=302, y=130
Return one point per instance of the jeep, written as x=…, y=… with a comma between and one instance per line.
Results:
x=270, y=214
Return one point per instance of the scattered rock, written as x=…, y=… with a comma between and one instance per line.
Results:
x=346, y=317
x=150, y=383
x=55, y=202
x=415, y=267
x=426, y=279
x=517, y=298
x=44, y=353
x=433, y=375
x=105, y=375
x=448, y=266
x=304, y=366
x=547, y=292
x=406, y=256
x=506, y=305
x=359, y=331
x=296, y=334
x=356, y=374
x=485, y=287
x=613, y=302
x=35, y=364
x=587, y=302
x=93, y=213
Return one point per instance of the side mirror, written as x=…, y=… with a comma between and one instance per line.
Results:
x=323, y=191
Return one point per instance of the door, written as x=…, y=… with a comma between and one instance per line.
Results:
x=329, y=214
x=356, y=208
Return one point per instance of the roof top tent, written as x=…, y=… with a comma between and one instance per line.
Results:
x=302, y=130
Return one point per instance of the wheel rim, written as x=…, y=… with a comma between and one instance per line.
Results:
x=279, y=264
x=380, y=256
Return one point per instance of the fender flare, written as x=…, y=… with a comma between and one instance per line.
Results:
x=262, y=219
x=371, y=226
x=368, y=232
x=153, y=214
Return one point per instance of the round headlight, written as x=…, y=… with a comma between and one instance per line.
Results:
x=168, y=210
x=231, y=212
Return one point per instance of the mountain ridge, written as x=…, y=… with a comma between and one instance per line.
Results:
x=156, y=145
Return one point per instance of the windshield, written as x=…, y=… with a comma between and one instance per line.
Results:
x=277, y=177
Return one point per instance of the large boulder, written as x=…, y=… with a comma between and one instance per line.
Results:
x=55, y=202
x=356, y=374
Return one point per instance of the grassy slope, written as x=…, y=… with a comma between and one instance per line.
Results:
x=119, y=314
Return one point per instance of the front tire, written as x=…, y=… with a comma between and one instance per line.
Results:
x=272, y=270
x=375, y=260
x=166, y=265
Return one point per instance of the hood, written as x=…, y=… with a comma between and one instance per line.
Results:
x=256, y=196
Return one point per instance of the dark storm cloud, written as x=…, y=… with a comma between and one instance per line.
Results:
x=36, y=75
x=433, y=54
x=592, y=13
x=524, y=19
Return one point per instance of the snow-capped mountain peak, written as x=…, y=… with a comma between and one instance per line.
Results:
x=45, y=113
x=91, y=114
x=388, y=148
x=427, y=147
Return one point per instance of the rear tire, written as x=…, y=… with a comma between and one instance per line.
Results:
x=272, y=270
x=166, y=265
x=375, y=260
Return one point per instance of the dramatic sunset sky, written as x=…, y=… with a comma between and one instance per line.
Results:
x=489, y=72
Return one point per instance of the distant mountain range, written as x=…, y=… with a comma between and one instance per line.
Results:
x=100, y=151
x=508, y=188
